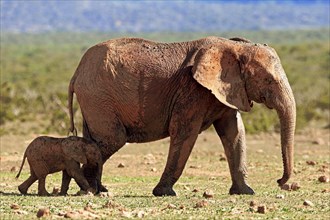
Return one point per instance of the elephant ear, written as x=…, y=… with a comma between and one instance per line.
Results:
x=218, y=70
x=75, y=151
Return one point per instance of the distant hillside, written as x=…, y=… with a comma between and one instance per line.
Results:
x=155, y=16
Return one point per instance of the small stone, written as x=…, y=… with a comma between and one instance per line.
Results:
x=140, y=214
x=43, y=212
x=126, y=214
x=153, y=169
x=195, y=190
x=14, y=206
x=186, y=188
x=280, y=196
x=308, y=203
x=295, y=186
x=208, y=194
x=286, y=187
x=311, y=163
x=105, y=194
x=318, y=141
x=56, y=190
x=121, y=165
x=201, y=204
x=195, y=167
x=324, y=179
x=222, y=157
x=262, y=209
x=171, y=206
x=253, y=203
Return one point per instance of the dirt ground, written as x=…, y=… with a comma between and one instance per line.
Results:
x=136, y=168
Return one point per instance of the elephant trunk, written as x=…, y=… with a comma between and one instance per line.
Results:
x=286, y=110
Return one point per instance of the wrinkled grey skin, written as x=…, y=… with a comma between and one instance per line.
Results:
x=134, y=90
x=49, y=155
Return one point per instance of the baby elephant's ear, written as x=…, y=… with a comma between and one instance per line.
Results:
x=218, y=70
x=75, y=151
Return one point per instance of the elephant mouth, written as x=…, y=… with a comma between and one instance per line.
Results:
x=263, y=100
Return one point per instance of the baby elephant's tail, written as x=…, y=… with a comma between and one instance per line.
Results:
x=20, y=169
x=72, y=128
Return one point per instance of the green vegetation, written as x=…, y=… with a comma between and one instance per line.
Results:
x=36, y=69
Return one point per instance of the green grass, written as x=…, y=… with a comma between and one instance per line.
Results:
x=36, y=69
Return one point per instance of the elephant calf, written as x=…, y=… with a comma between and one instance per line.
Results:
x=49, y=155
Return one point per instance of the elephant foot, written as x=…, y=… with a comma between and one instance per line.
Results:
x=163, y=191
x=102, y=188
x=43, y=193
x=240, y=190
x=22, y=190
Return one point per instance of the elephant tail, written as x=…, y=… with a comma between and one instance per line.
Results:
x=72, y=128
x=20, y=169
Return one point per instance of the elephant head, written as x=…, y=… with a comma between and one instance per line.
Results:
x=82, y=151
x=238, y=73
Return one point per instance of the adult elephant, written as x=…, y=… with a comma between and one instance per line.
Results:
x=134, y=90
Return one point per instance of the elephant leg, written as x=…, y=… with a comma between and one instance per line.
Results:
x=110, y=135
x=77, y=174
x=232, y=134
x=41, y=186
x=23, y=188
x=66, y=179
x=183, y=137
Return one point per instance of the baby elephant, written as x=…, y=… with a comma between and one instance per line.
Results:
x=49, y=155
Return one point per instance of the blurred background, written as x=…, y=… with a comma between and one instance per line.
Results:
x=42, y=43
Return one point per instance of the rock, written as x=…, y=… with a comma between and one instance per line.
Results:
x=222, y=157
x=295, y=186
x=208, y=194
x=318, y=141
x=121, y=165
x=308, y=203
x=171, y=206
x=105, y=194
x=13, y=169
x=126, y=214
x=195, y=190
x=153, y=169
x=56, y=190
x=253, y=203
x=140, y=214
x=262, y=209
x=201, y=204
x=43, y=212
x=310, y=162
x=286, y=187
x=15, y=206
x=324, y=179
x=281, y=196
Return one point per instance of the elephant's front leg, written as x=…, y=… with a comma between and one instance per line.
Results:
x=232, y=133
x=66, y=179
x=183, y=137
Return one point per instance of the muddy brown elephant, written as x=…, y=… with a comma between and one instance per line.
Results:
x=135, y=90
x=48, y=155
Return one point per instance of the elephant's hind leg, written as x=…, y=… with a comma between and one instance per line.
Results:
x=42, y=186
x=110, y=135
x=23, y=188
x=183, y=137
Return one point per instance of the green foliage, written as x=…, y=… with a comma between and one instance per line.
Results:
x=36, y=69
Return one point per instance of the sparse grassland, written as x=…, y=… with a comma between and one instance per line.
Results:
x=131, y=185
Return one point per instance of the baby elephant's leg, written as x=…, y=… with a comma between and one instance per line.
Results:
x=41, y=186
x=66, y=178
x=23, y=188
x=77, y=174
